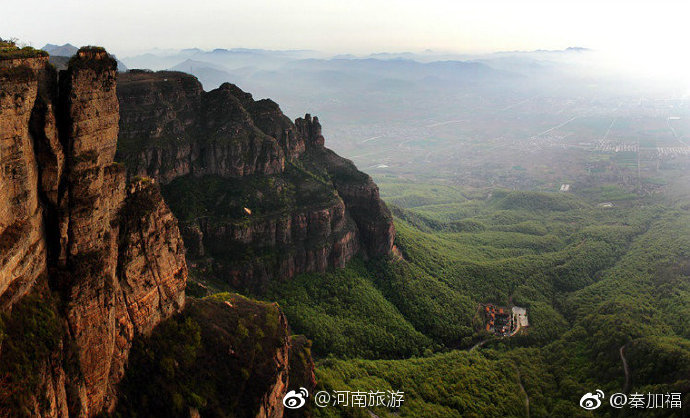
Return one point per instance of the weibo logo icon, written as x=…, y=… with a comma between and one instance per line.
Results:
x=296, y=400
x=591, y=401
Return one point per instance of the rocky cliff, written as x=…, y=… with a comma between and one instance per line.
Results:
x=259, y=197
x=225, y=355
x=88, y=263
x=171, y=127
x=92, y=266
x=22, y=241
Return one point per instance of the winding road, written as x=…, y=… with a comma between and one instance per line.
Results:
x=626, y=370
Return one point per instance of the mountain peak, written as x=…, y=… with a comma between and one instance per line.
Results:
x=66, y=50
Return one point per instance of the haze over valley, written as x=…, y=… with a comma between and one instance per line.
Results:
x=531, y=120
x=345, y=209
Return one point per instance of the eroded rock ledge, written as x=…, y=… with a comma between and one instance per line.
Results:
x=92, y=265
x=94, y=272
x=270, y=200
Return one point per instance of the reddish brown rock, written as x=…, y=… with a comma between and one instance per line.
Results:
x=306, y=240
x=239, y=350
x=151, y=262
x=165, y=133
x=91, y=117
x=271, y=403
x=302, y=374
x=268, y=117
x=93, y=263
x=117, y=272
x=22, y=242
x=170, y=127
x=361, y=197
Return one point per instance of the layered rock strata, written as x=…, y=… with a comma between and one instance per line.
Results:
x=109, y=257
x=276, y=202
x=92, y=266
x=235, y=355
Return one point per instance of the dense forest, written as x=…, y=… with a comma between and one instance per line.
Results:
x=596, y=281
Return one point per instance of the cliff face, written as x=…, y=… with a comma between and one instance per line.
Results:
x=361, y=196
x=100, y=261
x=171, y=127
x=93, y=271
x=225, y=355
x=270, y=201
x=22, y=242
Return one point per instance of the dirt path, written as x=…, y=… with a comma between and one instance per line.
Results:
x=626, y=370
x=524, y=392
x=479, y=344
x=516, y=331
x=482, y=342
x=522, y=388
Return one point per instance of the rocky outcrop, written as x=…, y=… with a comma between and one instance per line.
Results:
x=93, y=273
x=361, y=196
x=151, y=265
x=306, y=209
x=310, y=129
x=268, y=117
x=109, y=257
x=301, y=363
x=306, y=240
x=22, y=241
x=229, y=356
x=170, y=127
x=95, y=186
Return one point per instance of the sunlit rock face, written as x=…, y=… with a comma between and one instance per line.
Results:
x=101, y=260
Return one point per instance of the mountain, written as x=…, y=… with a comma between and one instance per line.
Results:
x=228, y=58
x=134, y=204
x=60, y=53
x=93, y=272
x=66, y=50
x=210, y=75
x=260, y=198
x=77, y=240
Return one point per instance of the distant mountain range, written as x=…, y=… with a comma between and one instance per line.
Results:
x=249, y=66
x=227, y=58
x=283, y=70
x=67, y=50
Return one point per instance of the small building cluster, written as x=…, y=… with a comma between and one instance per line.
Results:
x=504, y=321
x=520, y=317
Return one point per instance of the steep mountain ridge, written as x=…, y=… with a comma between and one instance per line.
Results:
x=64, y=233
x=91, y=263
x=239, y=359
x=260, y=198
x=163, y=113
x=21, y=216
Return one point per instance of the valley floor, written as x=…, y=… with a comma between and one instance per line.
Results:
x=592, y=279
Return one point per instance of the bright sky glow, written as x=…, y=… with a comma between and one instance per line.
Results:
x=659, y=30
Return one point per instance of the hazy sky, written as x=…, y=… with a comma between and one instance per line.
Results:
x=125, y=26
